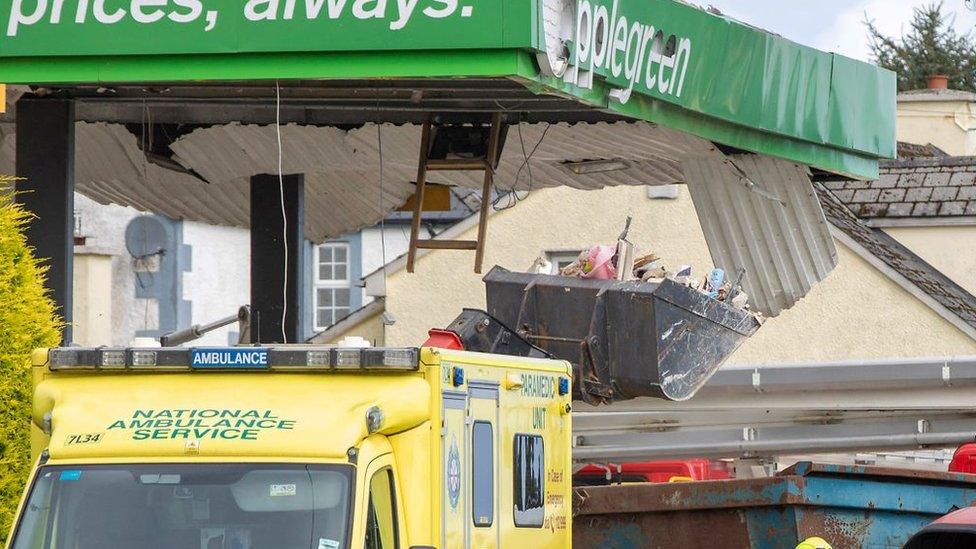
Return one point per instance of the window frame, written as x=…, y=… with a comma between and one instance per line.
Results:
x=515, y=480
x=473, y=476
x=332, y=282
x=555, y=256
x=371, y=510
x=334, y=285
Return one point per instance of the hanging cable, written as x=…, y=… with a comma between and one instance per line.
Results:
x=140, y=262
x=527, y=157
x=284, y=214
x=379, y=142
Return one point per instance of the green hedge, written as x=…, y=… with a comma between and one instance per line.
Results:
x=27, y=321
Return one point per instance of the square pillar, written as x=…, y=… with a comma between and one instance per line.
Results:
x=269, y=269
x=45, y=162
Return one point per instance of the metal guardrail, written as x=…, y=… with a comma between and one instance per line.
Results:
x=768, y=411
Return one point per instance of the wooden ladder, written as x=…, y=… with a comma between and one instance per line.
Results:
x=488, y=164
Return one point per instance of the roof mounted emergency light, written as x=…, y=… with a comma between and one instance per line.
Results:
x=297, y=359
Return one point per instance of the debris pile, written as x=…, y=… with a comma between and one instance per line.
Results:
x=620, y=262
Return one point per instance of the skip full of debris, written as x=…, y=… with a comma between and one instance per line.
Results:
x=621, y=262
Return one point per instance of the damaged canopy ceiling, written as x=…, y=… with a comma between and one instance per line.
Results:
x=203, y=105
x=758, y=213
x=342, y=167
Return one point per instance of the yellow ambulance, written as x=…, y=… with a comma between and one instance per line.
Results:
x=297, y=447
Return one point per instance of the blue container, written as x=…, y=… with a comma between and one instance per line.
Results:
x=849, y=506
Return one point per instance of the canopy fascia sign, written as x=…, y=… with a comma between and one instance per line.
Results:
x=661, y=61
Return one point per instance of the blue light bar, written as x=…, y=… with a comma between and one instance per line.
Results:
x=297, y=358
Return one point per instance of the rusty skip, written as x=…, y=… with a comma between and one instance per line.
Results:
x=851, y=507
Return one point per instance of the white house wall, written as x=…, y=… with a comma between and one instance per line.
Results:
x=947, y=248
x=218, y=282
x=104, y=227
x=856, y=313
x=397, y=241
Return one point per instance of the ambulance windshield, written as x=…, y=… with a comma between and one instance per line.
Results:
x=200, y=506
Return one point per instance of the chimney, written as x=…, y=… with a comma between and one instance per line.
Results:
x=938, y=82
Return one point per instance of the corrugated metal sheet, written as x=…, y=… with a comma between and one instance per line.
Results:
x=342, y=167
x=236, y=151
x=757, y=212
x=762, y=214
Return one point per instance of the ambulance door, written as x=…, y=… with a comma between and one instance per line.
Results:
x=454, y=455
x=483, y=465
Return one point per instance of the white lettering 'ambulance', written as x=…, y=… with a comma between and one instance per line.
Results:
x=230, y=358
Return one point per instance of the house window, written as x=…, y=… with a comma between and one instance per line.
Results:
x=332, y=287
x=561, y=259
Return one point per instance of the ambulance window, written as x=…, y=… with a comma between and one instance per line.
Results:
x=483, y=475
x=530, y=487
x=284, y=506
x=381, y=516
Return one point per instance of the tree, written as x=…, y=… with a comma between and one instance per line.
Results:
x=930, y=47
x=27, y=322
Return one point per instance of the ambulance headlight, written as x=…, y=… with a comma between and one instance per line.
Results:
x=391, y=359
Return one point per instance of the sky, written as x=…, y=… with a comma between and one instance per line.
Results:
x=835, y=25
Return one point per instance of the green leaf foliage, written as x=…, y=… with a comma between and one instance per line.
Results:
x=27, y=322
x=930, y=46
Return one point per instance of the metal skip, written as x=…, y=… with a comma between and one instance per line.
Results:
x=626, y=339
x=762, y=214
x=850, y=506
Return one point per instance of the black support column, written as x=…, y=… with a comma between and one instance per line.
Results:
x=268, y=269
x=45, y=161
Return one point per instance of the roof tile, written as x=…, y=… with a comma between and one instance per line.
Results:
x=912, y=179
x=886, y=181
x=866, y=195
x=926, y=209
x=933, y=186
x=920, y=194
x=952, y=208
x=873, y=210
x=892, y=195
x=900, y=209
x=963, y=178
x=944, y=194
x=937, y=179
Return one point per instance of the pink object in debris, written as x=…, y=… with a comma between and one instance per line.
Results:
x=599, y=263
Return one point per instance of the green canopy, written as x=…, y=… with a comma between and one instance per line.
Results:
x=661, y=61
